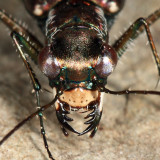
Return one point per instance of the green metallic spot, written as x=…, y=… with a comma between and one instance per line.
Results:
x=89, y=85
x=40, y=114
x=37, y=87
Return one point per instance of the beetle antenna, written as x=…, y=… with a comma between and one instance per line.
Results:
x=106, y=90
x=30, y=117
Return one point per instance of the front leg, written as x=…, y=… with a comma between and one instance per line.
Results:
x=22, y=45
x=134, y=31
x=27, y=44
x=13, y=25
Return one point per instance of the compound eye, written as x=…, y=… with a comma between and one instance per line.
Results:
x=106, y=62
x=48, y=63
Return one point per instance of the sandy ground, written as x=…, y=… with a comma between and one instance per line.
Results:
x=131, y=133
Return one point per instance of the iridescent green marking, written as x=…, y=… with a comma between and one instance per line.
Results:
x=40, y=114
x=27, y=48
x=69, y=83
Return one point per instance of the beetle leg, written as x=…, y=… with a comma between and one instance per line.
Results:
x=121, y=45
x=15, y=26
x=27, y=48
x=93, y=121
x=134, y=31
x=22, y=46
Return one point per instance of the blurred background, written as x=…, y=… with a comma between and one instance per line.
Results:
x=128, y=130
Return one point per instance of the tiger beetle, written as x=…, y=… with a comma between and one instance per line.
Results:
x=76, y=58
